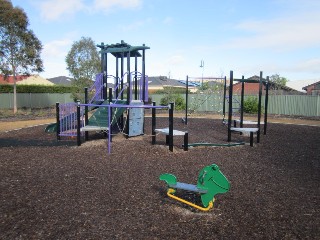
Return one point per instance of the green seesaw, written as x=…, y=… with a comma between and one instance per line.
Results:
x=211, y=181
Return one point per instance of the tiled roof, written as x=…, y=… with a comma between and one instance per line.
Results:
x=61, y=80
x=35, y=80
x=10, y=80
x=316, y=83
x=164, y=81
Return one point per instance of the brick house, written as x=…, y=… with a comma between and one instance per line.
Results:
x=313, y=89
x=10, y=80
x=253, y=88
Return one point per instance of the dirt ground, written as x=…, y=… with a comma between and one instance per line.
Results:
x=56, y=190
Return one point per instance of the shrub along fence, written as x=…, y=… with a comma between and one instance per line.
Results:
x=298, y=105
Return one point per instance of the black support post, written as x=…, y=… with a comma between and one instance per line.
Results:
x=110, y=113
x=241, y=103
x=121, y=70
x=105, y=76
x=110, y=95
x=185, y=141
x=230, y=106
x=259, y=107
x=58, y=120
x=251, y=139
x=86, y=110
x=117, y=78
x=129, y=88
x=78, y=125
x=136, y=77
x=187, y=99
x=143, y=75
x=224, y=97
x=171, y=107
x=153, y=125
x=266, y=107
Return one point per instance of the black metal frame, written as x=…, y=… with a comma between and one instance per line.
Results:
x=242, y=80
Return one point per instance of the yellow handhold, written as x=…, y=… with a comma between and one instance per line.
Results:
x=170, y=194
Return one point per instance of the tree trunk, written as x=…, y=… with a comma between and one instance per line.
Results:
x=14, y=93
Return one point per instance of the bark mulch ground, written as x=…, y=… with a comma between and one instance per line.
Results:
x=56, y=190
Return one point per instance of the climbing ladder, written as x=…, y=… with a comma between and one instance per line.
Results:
x=236, y=110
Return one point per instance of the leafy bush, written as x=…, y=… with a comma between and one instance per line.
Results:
x=178, y=101
x=251, y=105
x=77, y=88
x=7, y=88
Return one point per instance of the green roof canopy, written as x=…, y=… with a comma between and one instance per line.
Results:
x=122, y=48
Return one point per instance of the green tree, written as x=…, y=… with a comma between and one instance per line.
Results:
x=281, y=81
x=20, y=49
x=204, y=86
x=178, y=101
x=83, y=63
x=251, y=105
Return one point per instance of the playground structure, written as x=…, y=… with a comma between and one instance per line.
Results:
x=211, y=181
x=241, y=129
x=235, y=107
x=107, y=107
x=110, y=108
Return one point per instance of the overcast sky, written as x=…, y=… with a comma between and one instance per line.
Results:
x=246, y=36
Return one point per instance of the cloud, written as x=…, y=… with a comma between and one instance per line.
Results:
x=167, y=20
x=135, y=25
x=54, y=69
x=284, y=33
x=52, y=10
x=310, y=65
x=57, y=9
x=57, y=48
x=108, y=5
x=54, y=54
x=175, y=60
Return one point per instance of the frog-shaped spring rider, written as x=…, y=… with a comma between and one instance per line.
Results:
x=211, y=181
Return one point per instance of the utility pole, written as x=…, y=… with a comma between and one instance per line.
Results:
x=202, y=66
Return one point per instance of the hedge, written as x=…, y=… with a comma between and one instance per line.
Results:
x=7, y=88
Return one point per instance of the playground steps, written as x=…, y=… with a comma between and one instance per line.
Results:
x=165, y=131
x=247, y=122
x=251, y=131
